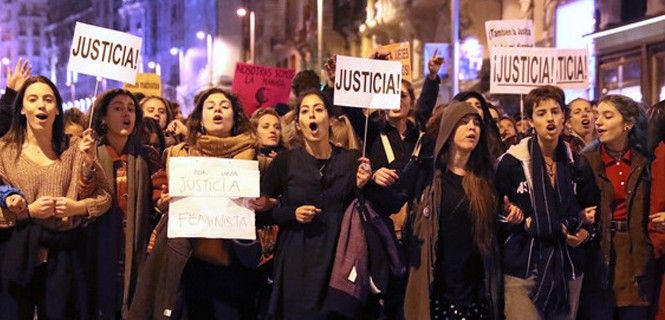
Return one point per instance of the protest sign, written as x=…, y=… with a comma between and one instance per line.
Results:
x=441, y=51
x=211, y=217
x=368, y=83
x=105, y=53
x=572, y=68
x=261, y=86
x=213, y=177
x=210, y=197
x=510, y=33
x=400, y=52
x=150, y=84
x=518, y=70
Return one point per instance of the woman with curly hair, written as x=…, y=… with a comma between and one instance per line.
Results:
x=613, y=175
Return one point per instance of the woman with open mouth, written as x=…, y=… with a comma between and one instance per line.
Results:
x=451, y=241
x=64, y=187
x=118, y=241
x=195, y=277
x=315, y=183
x=614, y=176
x=542, y=226
x=580, y=124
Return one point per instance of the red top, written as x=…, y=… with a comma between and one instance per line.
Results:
x=617, y=171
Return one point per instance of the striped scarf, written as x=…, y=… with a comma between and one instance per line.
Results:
x=551, y=291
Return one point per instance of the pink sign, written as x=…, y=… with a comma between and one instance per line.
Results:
x=261, y=86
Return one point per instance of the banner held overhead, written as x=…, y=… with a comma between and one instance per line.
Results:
x=105, y=53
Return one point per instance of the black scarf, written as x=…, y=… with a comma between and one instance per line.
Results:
x=551, y=291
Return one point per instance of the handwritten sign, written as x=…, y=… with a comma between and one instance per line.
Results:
x=572, y=68
x=518, y=70
x=510, y=33
x=150, y=84
x=213, y=177
x=261, y=86
x=105, y=53
x=368, y=83
x=211, y=217
x=400, y=52
x=210, y=197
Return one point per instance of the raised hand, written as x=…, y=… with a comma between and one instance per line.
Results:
x=22, y=72
x=434, y=65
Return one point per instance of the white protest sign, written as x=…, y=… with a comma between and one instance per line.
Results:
x=572, y=68
x=213, y=177
x=518, y=70
x=105, y=53
x=510, y=33
x=214, y=218
x=368, y=83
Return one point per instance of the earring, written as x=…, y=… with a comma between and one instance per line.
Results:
x=203, y=130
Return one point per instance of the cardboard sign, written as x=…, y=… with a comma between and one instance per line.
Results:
x=213, y=177
x=150, y=84
x=261, y=86
x=105, y=53
x=211, y=217
x=210, y=197
x=572, y=68
x=368, y=83
x=518, y=70
x=442, y=50
x=400, y=52
x=510, y=33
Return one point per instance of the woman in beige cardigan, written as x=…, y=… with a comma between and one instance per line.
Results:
x=64, y=188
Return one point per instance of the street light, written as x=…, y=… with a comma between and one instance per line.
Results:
x=200, y=35
x=241, y=12
x=5, y=61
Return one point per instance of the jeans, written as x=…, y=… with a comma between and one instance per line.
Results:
x=519, y=305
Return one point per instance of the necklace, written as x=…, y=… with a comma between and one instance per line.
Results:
x=323, y=166
x=549, y=167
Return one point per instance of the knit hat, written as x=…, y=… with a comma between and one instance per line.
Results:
x=452, y=114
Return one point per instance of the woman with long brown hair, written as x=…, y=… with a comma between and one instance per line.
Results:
x=64, y=189
x=450, y=235
x=215, y=280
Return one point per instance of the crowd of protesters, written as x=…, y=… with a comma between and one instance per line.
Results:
x=453, y=210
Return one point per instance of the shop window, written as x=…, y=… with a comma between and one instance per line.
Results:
x=621, y=75
x=658, y=76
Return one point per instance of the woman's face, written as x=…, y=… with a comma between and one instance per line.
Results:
x=404, y=106
x=506, y=129
x=155, y=108
x=581, y=118
x=476, y=104
x=313, y=119
x=217, y=115
x=73, y=130
x=467, y=133
x=39, y=106
x=612, y=126
x=269, y=130
x=120, y=117
x=547, y=120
